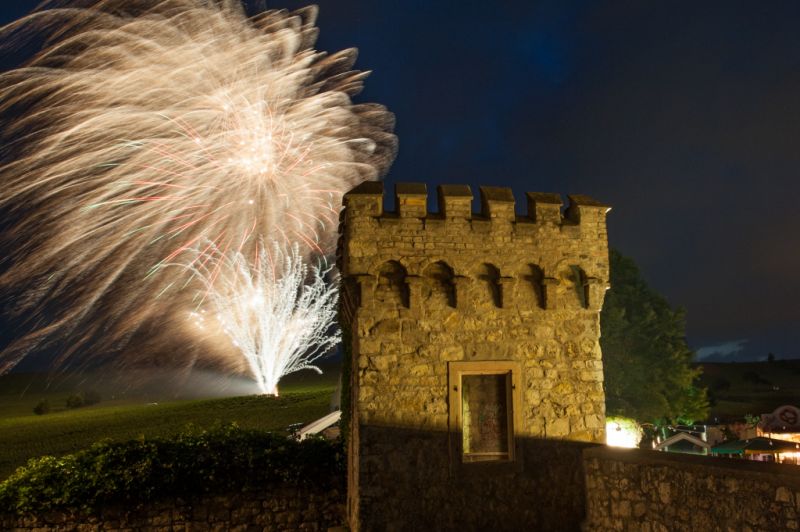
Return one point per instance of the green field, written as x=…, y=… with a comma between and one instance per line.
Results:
x=738, y=389
x=149, y=411
x=132, y=407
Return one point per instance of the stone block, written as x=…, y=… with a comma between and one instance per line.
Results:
x=544, y=208
x=497, y=203
x=411, y=200
x=455, y=201
x=557, y=428
x=364, y=200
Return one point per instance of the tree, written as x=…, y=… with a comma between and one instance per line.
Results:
x=648, y=371
x=75, y=401
x=42, y=408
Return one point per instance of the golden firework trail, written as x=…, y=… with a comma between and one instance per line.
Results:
x=142, y=131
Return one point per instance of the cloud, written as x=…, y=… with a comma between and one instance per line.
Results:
x=721, y=352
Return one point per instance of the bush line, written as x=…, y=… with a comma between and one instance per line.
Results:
x=222, y=459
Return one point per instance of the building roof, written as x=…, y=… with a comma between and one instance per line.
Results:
x=682, y=442
x=759, y=445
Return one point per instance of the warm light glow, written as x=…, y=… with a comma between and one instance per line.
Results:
x=623, y=432
x=789, y=458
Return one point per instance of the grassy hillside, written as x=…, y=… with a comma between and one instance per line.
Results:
x=737, y=389
x=140, y=411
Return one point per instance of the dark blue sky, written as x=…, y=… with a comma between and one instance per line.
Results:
x=685, y=116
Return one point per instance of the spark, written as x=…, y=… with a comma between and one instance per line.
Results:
x=136, y=133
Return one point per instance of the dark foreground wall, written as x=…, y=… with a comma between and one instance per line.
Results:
x=635, y=490
x=557, y=485
x=413, y=480
x=276, y=509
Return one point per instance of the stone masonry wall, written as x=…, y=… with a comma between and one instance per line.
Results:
x=648, y=491
x=276, y=509
x=421, y=487
x=424, y=290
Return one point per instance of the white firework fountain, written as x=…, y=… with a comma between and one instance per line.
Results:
x=279, y=313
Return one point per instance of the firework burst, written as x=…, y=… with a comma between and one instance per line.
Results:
x=139, y=132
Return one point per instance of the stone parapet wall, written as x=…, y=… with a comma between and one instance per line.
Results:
x=274, y=510
x=649, y=491
x=554, y=485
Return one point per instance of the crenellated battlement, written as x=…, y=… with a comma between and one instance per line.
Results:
x=562, y=247
x=455, y=202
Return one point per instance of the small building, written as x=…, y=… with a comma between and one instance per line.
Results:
x=683, y=442
x=760, y=449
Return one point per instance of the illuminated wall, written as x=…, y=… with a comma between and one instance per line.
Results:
x=472, y=334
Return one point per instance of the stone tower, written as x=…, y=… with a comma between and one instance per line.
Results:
x=473, y=342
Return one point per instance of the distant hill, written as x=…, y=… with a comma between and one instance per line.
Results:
x=740, y=388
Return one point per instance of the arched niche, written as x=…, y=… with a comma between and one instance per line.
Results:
x=488, y=277
x=531, y=286
x=572, y=286
x=391, y=287
x=439, y=289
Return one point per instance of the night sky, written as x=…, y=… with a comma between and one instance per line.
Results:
x=684, y=116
